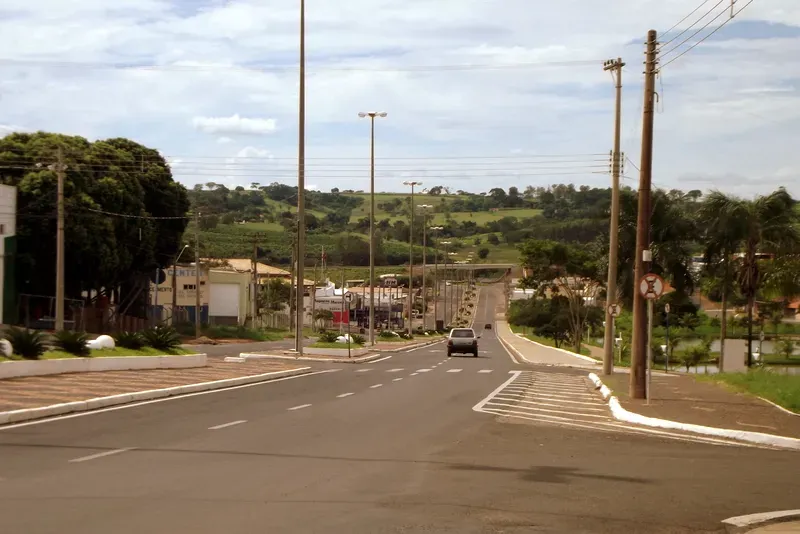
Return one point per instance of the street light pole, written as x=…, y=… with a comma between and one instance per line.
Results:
x=436, y=279
x=444, y=303
x=424, y=208
x=411, y=258
x=372, y=115
x=301, y=186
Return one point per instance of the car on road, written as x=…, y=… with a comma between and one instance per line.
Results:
x=488, y=326
x=463, y=341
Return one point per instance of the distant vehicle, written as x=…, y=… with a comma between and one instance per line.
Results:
x=488, y=326
x=463, y=341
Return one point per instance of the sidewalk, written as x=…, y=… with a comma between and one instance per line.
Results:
x=34, y=392
x=681, y=398
x=536, y=353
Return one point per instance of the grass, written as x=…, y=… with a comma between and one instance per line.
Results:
x=118, y=351
x=782, y=389
x=239, y=332
x=327, y=345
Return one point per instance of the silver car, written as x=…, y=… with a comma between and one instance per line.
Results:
x=462, y=340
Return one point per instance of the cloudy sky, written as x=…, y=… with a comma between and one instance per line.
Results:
x=479, y=93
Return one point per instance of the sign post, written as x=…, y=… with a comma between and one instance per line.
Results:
x=348, y=297
x=614, y=311
x=651, y=287
x=666, y=352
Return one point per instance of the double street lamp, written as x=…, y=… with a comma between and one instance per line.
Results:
x=372, y=115
x=413, y=184
x=424, y=208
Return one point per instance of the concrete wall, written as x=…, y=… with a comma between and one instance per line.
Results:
x=8, y=231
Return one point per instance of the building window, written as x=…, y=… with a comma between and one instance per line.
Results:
x=189, y=287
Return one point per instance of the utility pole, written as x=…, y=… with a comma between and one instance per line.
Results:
x=425, y=208
x=292, y=290
x=436, y=280
x=60, y=171
x=254, y=293
x=638, y=383
x=615, y=66
x=197, y=314
x=411, y=259
x=301, y=186
x=313, y=296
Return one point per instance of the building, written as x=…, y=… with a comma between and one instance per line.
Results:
x=8, y=253
x=185, y=291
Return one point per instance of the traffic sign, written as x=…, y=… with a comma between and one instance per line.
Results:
x=651, y=286
x=666, y=307
x=348, y=297
x=614, y=310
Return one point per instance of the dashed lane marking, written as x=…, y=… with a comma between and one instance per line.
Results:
x=454, y=370
x=375, y=386
x=343, y=395
x=99, y=455
x=485, y=370
x=226, y=425
x=299, y=407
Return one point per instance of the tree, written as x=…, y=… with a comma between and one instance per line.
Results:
x=435, y=190
x=574, y=274
x=483, y=253
x=493, y=240
x=275, y=295
x=764, y=224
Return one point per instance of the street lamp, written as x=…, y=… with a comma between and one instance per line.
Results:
x=175, y=282
x=413, y=184
x=372, y=115
x=436, y=277
x=446, y=253
x=424, y=208
x=301, y=187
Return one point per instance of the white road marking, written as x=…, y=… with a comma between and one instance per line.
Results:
x=343, y=395
x=424, y=370
x=394, y=370
x=166, y=399
x=299, y=407
x=485, y=370
x=397, y=380
x=454, y=370
x=99, y=455
x=363, y=370
x=381, y=359
x=226, y=425
x=514, y=374
x=375, y=386
x=413, y=374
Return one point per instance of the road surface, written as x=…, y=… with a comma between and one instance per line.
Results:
x=417, y=442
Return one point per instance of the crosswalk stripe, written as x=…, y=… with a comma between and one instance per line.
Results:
x=424, y=370
x=394, y=370
x=454, y=370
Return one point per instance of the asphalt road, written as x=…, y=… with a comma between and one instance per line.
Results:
x=413, y=443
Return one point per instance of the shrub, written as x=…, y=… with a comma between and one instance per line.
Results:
x=30, y=344
x=387, y=334
x=786, y=348
x=130, y=340
x=72, y=342
x=405, y=335
x=358, y=339
x=162, y=337
x=328, y=336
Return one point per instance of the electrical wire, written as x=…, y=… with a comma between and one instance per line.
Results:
x=693, y=24
x=705, y=37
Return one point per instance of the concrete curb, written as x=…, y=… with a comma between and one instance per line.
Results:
x=244, y=356
x=622, y=414
x=567, y=352
x=781, y=408
x=17, y=416
x=412, y=347
x=18, y=369
x=510, y=348
x=746, y=523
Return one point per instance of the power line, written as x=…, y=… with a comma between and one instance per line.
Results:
x=707, y=36
x=691, y=25
x=141, y=217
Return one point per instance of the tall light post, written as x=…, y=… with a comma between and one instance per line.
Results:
x=436, y=278
x=424, y=208
x=301, y=187
x=413, y=184
x=444, y=303
x=372, y=115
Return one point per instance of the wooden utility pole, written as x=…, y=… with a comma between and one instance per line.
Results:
x=301, y=186
x=292, y=292
x=197, y=310
x=615, y=66
x=60, y=171
x=254, y=291
x=313, y=296
x=638, y=384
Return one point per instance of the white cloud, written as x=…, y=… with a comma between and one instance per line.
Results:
x=234, y=125
x=729, y=109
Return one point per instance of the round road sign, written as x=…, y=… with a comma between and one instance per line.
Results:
x=666, y=308
x=348, y=297
x=651, y=286
x=614, y=310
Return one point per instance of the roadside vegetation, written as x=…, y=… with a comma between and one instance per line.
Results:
x=782, y=389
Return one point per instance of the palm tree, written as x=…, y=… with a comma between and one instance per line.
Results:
x=764, y=224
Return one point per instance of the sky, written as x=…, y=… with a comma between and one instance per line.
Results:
x=478, y=93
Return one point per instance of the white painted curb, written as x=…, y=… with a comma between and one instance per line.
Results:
x=99, y=364
x=745, y=523
x=363, y=359
x=622, y=414
x=16, y=416
x=413, y=347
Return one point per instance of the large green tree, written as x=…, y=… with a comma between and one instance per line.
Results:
x=125, y=215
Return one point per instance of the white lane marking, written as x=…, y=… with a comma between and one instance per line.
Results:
x=165, y=399
x=545, y=410
x=99, y=455
x=514, y=374
x=539, y=403
x=424, y=370
x=375, y=386
x=397, y=380
x=299, y=407
x=454, y=370
x=343, y=395
x=363, y=370
x=226, y=425
x=413, y=374
x=485, y=370
x=381, y=359
x=394, y=370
